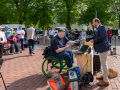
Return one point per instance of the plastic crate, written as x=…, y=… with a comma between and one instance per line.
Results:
x=112, y=73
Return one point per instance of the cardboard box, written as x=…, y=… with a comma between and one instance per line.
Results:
x=112, y=73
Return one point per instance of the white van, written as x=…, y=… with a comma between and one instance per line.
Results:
x=14, y=26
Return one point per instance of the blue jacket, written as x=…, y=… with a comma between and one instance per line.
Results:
x=81, y=33
x=100, y=39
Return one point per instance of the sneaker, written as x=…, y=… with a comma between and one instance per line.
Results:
x=18, y=52
x=33, y=52
x=11, y=53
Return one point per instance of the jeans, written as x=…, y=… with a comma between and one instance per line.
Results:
x=14, y=45
x=89, y=36
x=68, y=55
x=109, y=40
x=31, y=44
x=22, y=43
x=51, y=37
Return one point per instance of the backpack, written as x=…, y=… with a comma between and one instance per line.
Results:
x=46, y=52
x=56, y=83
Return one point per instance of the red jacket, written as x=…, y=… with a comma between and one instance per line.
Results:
x=109, y=33
x=11, y=38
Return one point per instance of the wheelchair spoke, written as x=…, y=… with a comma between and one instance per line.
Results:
x=51, y=67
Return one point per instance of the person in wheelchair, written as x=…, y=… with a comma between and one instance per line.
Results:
x=59, y=48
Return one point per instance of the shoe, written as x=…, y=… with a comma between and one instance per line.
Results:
x=18, y=52
x=11, y=53
x=103, y=83
x=33, y=52
x=99, y=77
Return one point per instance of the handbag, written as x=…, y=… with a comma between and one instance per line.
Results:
x=56, y=83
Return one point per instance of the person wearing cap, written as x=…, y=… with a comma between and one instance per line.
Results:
x=58, y=47
x=7, y=31
x=14, y=43
x=21, y=34
x=51, y=34
x=2, y=41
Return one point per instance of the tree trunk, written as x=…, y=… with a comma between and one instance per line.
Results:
x=68, y=20
x=119, y=20
x=68, y=16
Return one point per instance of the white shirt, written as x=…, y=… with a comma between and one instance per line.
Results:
x=20, y=31
x=45, y=33
x=118, y=32
x=2, y=35
x=51, y=32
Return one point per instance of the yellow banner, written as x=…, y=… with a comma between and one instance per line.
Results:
x=89, y=24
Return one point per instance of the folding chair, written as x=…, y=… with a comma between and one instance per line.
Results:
x=1, y=62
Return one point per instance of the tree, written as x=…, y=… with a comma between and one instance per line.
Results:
x=115, y=10
x=41, y=13
x=67, y=11
x=88, y=14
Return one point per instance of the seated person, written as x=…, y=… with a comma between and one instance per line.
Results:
x=14, y=43
x=58, y=48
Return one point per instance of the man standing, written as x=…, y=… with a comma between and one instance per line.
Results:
x=21, y=34
x=66, y=32
x=31, y=37
x=109, y=35
x=101, y=46
x=76, y=34
x=51, y=33
x=7, y=31
x=58, y=48
x=89, y=33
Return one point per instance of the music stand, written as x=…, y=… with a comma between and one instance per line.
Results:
x=1, y=62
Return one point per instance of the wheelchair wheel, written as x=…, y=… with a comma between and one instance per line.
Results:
x=64, y=63
x=51, y=66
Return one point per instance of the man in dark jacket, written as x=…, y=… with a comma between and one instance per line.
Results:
x=76, y=34
x=89, y=33
x=101, y=46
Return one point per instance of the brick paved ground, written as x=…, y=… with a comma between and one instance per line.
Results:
x=23, y=72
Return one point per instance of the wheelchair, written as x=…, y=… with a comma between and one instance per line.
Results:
x=53, y=65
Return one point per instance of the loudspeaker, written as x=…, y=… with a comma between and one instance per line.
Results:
x=96, y=62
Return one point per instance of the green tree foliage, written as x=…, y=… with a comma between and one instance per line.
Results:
x=115, y=10
x=67, y=11
x=41, y=13
x=38, y=12
x=88, y=14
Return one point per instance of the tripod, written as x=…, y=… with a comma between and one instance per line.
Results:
x=114, y=49
x=1, y=62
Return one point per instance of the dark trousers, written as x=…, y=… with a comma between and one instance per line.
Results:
x=68, y=55
x=22, y=43
x=109, y=40
x=76, y=38
x=31, y=44
x=51, y=37
x=14, y=45
x=1, y=49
